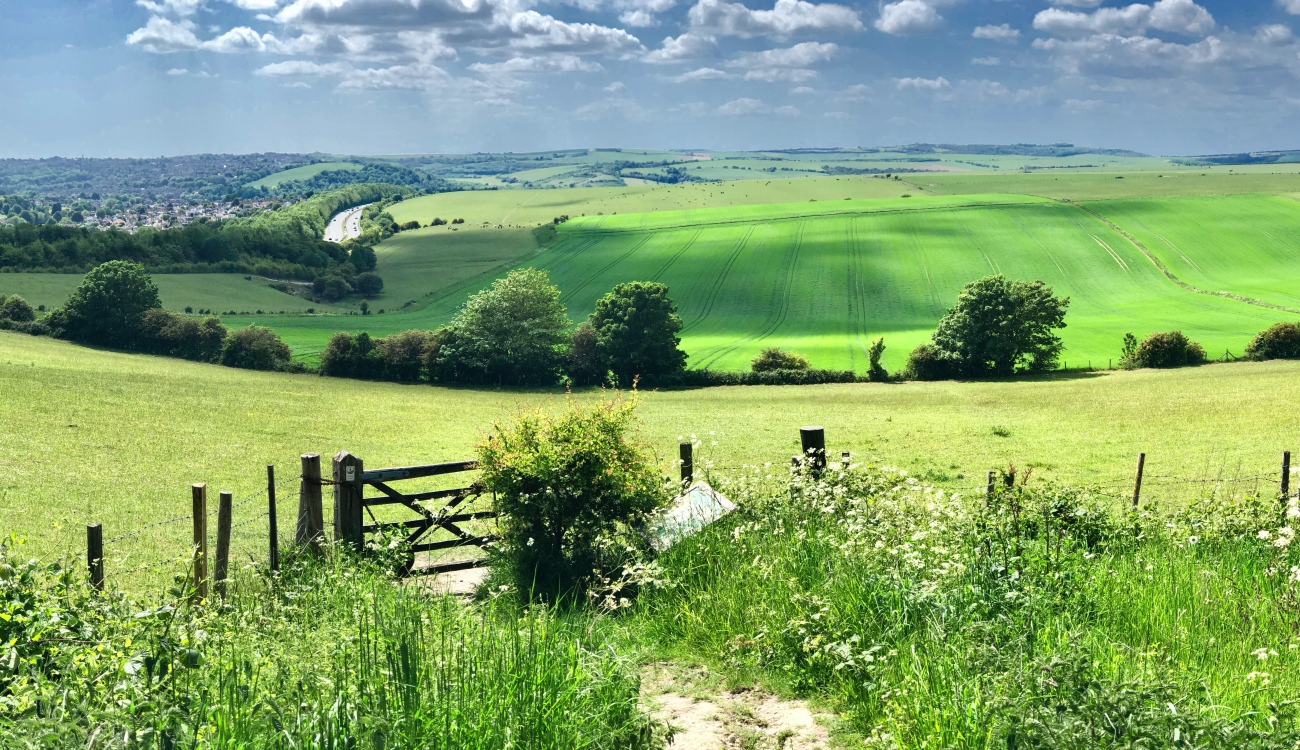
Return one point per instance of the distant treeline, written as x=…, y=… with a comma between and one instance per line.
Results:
x=206, y=176
x=333, y=179
x=285, y=243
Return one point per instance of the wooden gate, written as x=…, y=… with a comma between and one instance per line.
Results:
x=351, y=506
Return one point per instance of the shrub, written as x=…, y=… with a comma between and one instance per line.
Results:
x=583, y=363
x=510, y=334
x=165, y=332
x=774, y=358
x=331, y=288
x=351, y=356
x=1128, y=355
x=567, y=485
x=707, y=378
x=17, y=309
x=370, y=284
x=1168, y=349
x=108, y=305
x=999, y=327
x=403, y=355
x=1279, y=341
x=876, y=373
x=362, y=257
x=636, y=331
x=927, y=362
x=255, y=348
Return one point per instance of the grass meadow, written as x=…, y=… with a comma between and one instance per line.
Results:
x=305, y=172
x=100, y=436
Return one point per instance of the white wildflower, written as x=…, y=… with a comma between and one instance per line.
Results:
x=1263, y=534
x=1263, y=654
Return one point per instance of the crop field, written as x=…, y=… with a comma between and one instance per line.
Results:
x=201, y=291
x=98, y=436
x=303, y=173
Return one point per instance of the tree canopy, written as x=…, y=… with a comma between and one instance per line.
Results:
x=1000, y=327
x=636, y=331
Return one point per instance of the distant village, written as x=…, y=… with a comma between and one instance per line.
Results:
x=128, y=213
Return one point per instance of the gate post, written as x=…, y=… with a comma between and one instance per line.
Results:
x=311, y=521
x=348, y=494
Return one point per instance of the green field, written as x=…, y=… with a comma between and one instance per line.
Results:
x=98, y=436
x=302, y=173
x=218, y=292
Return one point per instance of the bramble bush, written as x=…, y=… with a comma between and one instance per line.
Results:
x=1279, y=341
x=255, y=348
x=575, y=490
x=1168, y=349
x=774, y=358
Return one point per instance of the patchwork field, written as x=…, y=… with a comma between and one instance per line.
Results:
x=98, y=436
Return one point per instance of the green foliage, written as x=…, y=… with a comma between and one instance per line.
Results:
x=1128, y=355
x=510, y=334
x=927, y=362
x=255, y=348
x=583, y=363
x=875, y=371
x=399, y=357
x=575, y=489
x=175, y=335
x=369, y=284
x=636, y=326
x=1279, y=341
x=1168, y=349
x=1001, y=327
x=17, y=309
x=362, y=257
x=774, y=358
x=108, y=306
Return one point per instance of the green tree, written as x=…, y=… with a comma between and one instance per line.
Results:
x=1279, y=341
x=255, y=348
x=513, y=333
x=1000, y=327
x=370, y=284
x=774, y=358
x=876, y=373
x=583, y=364
x=636, y=327
x=1168, y=349
x=109, y=304
x=17, y=309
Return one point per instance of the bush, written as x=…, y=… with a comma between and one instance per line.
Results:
x=17, y=309
x=773, y=358
x=927, y=362
x=566, y=486
x=876, y=373
x=108, y=305
x=1168, y=349
x=707, y=378
x=510, y=334
x=174, y=335
x=370, y=284
x=1001, y=327
x=331, y=288
x=255, y=348
x=403, y=355
x=583, y=363
x=362, y=257
x=1280, y=341
x=636, y=331
x=349, y=356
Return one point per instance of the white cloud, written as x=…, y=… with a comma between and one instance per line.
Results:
x=550, y=64
x=638, y=18
x=787, y=111
x=383, y=13
x=702, y=74
x=803, y=90
x=1076, y=3
x=908, y=17
x=535, y=31
x=788, y=75
x=240, y=39
x=1275, y=34
x=1290, y=6
x=1080, y=105
x=1003, y=33
x=301, y=68
x=786, y=17
x=742, y=106
x=1124, y=55
x=855, y=93
x=989, y=61
x=172, y=7
x=688, y=46
x=256, y=4
x=799, y=56
x=162, y=35
x=177, y=72
x=400, y=77
x=1177, y=16
x=922, y=84
x=620, y=107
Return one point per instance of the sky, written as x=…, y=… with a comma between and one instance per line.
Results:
x=167, y=77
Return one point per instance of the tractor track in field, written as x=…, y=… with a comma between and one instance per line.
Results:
x=570, y=253
x=715, y=287
x=782, y=312
x=592, y=277
x=1163, y=269
x=857, y=295
x=669, y=264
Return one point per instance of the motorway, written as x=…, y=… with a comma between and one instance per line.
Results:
x=345, y=225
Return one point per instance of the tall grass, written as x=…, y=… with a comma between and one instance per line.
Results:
x=331, y=655
x=1045, y=620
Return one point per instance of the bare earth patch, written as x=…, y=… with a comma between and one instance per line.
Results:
x=708, y=718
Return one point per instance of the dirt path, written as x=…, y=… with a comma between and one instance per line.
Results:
x=705, y=717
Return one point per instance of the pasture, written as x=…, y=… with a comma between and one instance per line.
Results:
x=218, y=292
x=100, y=436
x=305, y=172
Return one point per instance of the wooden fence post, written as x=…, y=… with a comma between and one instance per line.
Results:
x=1286, y=478
x=221, y=570
x=311, y=516
x=95, y=555
x=199, y=493
x=273, y=530
x=813, y=440
x=685, y=452
x=1137, y=481
x=348, y=493
x=845, y=460
x=988, y=489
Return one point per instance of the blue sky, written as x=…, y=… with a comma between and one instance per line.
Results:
x=165, y=77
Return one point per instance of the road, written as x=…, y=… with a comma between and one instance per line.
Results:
x=345, y=225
